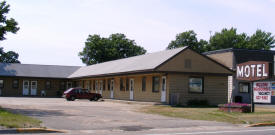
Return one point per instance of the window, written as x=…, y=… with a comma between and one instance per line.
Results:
x=109, y=84
x=104, y=84
x=196, y=85
x=75, y=84
x=127, y=84
x=48, y=85
x=143, y=83
x=15, y=84
x=83, y=84
x=93, y=84
x=1, y=83
x=62, y=85
x=243, y=87
x=121, y=84
x=155, y=84
x=187, y=63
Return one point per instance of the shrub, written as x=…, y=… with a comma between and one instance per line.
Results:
x=235, y=107
x=196, y=102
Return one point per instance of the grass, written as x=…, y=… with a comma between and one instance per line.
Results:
x=11, y=120
x=213, y=114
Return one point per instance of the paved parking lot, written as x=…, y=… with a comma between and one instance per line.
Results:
x=103, y=117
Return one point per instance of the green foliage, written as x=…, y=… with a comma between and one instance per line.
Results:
x=226, y=38
x=196, y=102
x=188, y=38
x=261, y=40
x=8, y=57
x=7, y=25
x=99, y=49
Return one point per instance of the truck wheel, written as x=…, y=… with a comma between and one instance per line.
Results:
x=72, y=98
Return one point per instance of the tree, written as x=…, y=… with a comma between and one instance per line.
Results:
x=7, y=25
x=227, y=38
x=261, y=40
x=188, y=38
x=99, y=49
x=8, y=57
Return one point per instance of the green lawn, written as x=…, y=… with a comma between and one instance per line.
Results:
x=212, y=114
x=11, y=120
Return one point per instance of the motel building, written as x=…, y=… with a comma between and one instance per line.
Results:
x=254, y=69
x=172, y=76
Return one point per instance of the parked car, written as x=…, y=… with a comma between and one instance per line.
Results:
x=79, y=93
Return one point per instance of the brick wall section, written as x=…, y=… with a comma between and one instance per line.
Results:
x=8, y=90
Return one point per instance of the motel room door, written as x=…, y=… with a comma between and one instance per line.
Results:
x=100, y=87
x=33, y=88
x=131, y=89
x=112, y=89
x=96, y=86
x=163, y=89
x=26, y=87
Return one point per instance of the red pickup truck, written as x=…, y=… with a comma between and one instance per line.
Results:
x=79, y=93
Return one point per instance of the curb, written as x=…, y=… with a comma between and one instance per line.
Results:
x=262, y=124
x=38, y=130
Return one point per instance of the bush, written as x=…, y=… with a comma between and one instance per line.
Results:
x=196, y=102
x=235, y=107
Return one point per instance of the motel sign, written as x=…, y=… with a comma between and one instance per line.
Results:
x=253, y=70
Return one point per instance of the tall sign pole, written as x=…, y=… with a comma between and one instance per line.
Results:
x=252, y=97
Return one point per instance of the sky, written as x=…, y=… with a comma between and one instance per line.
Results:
x=53, y=32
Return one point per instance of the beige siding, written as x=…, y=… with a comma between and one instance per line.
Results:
x=199, y=64
x=139, y=95
x=224, y=58
x=215, y=89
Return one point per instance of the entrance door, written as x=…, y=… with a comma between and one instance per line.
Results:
x=112, y=89
x=131, y=89
x=100, y=87
x=96, y=86
x=163, y=89
x=33, y=88
x=26, y=87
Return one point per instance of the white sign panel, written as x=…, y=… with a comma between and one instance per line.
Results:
x=262, y=92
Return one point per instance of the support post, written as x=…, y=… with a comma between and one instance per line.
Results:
x=252, y=97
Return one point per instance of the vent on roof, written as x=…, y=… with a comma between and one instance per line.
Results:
x=187, y=63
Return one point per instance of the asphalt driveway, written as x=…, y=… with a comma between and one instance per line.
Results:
x=103, y=117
